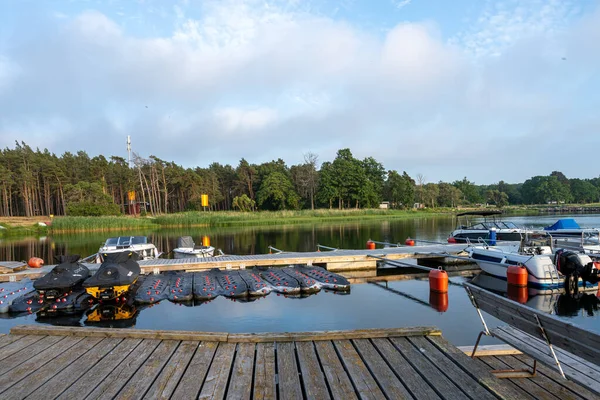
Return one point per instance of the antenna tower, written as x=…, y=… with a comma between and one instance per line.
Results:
x=129, y=151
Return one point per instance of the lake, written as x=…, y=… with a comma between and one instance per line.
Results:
x=369, y=305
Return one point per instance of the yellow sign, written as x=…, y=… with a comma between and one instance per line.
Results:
x=204, y=199
x=131, y=195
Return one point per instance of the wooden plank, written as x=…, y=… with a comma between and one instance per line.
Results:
x=434, y=377
x=118, y=332
x=116, y=376
x=18, y=345
x=553, y=375
x=38, y=376
x=216, y=381
x=88, y=382
x=385, y=377
x=466, y=383
x=411, y=379
x=490, y=350
x=27, y=353
x=39, y=361
x=338, y=380
x=60, y=382
x=549, y=385
x=568, y=336
x=332, y=335
x=526, y=384
x=289, y=380
x=240, y=386
x=482, y=362
x=194, y=375
x=475, y=370
x=571, y=370
x=264, y=372
x=8, y=339
x=312, y=376
x=365, y=385
x=164, y=386
x=147, y=373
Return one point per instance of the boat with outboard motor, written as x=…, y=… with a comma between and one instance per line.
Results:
x=467, y=231
x=135, y=244
x=187, y=248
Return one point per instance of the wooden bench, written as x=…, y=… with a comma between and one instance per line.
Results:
x=575, y=351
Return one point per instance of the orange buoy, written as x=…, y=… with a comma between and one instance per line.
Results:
x=35, y=262
x=516, y=275
x=451, y=239
x=370, y=245
x=205, y=241
x=438, y=281
x=438, y=301
x=520, y=294
x=409, y=242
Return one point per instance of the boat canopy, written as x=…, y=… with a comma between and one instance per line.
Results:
x=483, y=213
x=185, y=242
x=565, y=223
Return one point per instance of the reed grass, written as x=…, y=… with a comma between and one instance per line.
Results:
x=103, y=224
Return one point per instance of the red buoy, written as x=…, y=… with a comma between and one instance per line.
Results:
x=517, y=275
x=370, y=245
x=35, y=262
x=451, y=239
x=438, y=281
x=520, y=294
x=409, y=242
x=438, y=301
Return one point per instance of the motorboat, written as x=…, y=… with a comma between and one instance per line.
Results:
x=136, y=244
x=186, y=248
x=567, y=233
x=468, y=231
x=539, y=262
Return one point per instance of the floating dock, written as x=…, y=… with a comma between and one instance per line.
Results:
x=336, y=261
x=93, y=363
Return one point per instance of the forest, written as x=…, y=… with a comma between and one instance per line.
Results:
x=35, y=182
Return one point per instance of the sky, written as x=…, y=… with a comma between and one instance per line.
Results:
x=490, y=90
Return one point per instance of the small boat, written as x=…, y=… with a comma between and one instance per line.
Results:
x=186, y=248
x=474, y=232
x=539, y=262
x=136, y=244
x=116, y=275
x=69, y=274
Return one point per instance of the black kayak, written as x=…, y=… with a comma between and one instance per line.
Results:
x=114, y=277
x=181, y=287
x=307, y=284
x=232, y=283
x=280, y=281
x=153, y=289
x=328, y=280
x=68, y=274
x=206, y=285
x=257, y=286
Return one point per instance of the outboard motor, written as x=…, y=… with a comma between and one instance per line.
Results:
x=575, y=265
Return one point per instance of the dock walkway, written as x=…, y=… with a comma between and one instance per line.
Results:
x=336, y=261
x=39, y=362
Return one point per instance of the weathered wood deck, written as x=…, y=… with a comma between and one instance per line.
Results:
x=337, y=261
x=74, y=363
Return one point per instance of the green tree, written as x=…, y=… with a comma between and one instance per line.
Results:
x=277, y=192
x=448, y=195
x=88, y=199
x=583, y=191
x=500, y=199
x=399, y=189
x=470, y=193
x=244, y=203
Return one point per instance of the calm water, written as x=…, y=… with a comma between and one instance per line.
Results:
x=407, y=303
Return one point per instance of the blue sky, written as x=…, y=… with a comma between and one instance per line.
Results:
x=491, y=90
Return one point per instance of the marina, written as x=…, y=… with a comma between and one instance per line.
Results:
x=403, y=363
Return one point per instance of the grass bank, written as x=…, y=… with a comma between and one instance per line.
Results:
x=100, y=224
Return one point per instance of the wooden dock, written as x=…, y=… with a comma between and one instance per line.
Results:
x=39, y=362
x=336, y=261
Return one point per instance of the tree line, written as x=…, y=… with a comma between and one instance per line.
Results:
x=41, y=183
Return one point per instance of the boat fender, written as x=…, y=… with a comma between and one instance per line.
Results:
x=35, y=262
x=516, y=275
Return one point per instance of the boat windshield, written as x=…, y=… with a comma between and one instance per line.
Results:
x=111, y=241
x=139, y=240
x=124, y=241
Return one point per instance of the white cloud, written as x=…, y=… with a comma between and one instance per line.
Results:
x=268, y=81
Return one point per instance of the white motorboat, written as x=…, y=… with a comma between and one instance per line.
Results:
x=186, y=248
x=136, y=244
x=467, y=231
x=539, y=261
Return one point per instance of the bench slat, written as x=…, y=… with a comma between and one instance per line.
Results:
x=567, y=336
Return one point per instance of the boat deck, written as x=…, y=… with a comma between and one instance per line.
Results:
x=73, y=363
